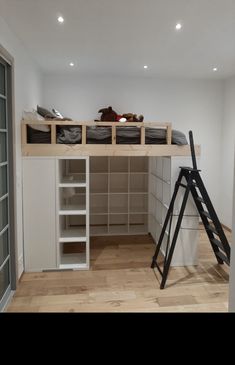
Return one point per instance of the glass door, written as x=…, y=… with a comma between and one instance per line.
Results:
x=5, y=276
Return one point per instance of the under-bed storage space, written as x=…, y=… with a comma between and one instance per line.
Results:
x=65, y=202
x=118, y=195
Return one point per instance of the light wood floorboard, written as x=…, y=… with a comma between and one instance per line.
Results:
x=120, y=280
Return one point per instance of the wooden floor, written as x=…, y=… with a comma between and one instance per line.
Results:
x=120, y=280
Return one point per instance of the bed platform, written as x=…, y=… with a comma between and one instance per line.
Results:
x=113, y=149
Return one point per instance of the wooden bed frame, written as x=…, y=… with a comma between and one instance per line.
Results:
x=84, y=149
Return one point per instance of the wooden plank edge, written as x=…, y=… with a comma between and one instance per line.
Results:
x=107, y=150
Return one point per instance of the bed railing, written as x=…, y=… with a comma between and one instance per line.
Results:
x=142, y=125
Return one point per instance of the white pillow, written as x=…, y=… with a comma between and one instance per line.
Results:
x=32, y=116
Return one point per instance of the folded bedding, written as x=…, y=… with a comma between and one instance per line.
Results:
x=37, y=136
x=103, y=135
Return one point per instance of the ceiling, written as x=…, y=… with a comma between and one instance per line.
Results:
x=119, y=37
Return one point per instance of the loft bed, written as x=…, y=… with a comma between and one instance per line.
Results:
x=98, y=189
x=150, y=139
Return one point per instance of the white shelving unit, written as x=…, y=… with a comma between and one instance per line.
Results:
x=73, y=213
x=163, y=173
x=118, y=195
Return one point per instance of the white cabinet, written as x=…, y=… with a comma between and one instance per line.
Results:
x=163, y=173
x=39, y=219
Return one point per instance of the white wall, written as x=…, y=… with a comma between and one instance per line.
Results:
x=27, y=95
x=188, y=104
x=232, y=260
x=227, y=156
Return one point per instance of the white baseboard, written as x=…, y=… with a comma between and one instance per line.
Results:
x=20, y=266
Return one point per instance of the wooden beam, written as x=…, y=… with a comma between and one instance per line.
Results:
x=108, y=124
x=23, y=133
x=53, y=134
x=169, y=134
x=113, y=134
x=83, y=134
x=142, y=135
x=106, y=150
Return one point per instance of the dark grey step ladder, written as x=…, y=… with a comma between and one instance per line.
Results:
x=213, y=227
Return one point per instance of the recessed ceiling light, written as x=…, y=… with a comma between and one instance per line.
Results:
x=60, y=19
x=71, y=64
x=178, y=26
x=145, y=67
x=215, y=69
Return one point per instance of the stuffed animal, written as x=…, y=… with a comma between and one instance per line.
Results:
x=108, y=115
x=130, y=117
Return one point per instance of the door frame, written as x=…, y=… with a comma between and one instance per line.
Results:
x=5, y=55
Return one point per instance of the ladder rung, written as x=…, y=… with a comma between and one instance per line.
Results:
x=222, y=257
x=189, y=168
x=200, y=200
x=206, y=214
x=183, y=185
x=212, y=229
x=218, y=243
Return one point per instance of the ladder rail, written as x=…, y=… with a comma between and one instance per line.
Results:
x=174, y=240
x=169, y=212
x=194, y=161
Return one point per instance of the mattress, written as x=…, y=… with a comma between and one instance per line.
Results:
x=103, y=135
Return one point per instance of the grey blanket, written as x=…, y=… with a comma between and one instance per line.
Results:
x=130, y=135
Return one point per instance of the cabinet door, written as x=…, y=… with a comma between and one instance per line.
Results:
x=39, y=206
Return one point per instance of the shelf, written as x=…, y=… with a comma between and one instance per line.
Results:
x=138, y=228
x=99, y=164
x=118, y=229
x=99, y=204
x=138, y=203
x=118, y=210
x=73, y=266
x=73, y=235
x=73, y=210
x=138, y=183
x=76, y=183
x=99, y=183
x=119, y=184
x=118, y=164
x=77, y=166
x=98, y=173
x=139, y=164
x=118, y=194
x=98, y=211
x=99, y=230
x=138, y=173
x=73, y=213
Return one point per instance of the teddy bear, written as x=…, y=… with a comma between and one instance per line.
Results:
x=108, y=114
x=130, y=117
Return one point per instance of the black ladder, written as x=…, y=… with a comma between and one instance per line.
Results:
x=213, y=227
